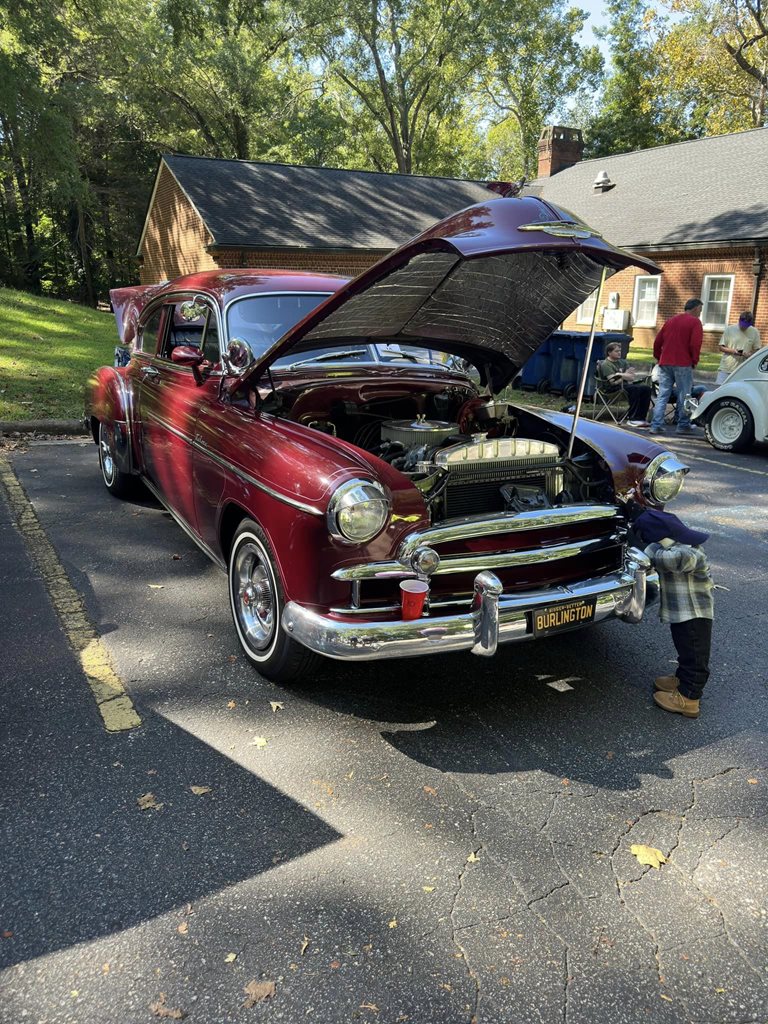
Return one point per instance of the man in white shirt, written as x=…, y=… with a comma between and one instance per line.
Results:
x=737, y=343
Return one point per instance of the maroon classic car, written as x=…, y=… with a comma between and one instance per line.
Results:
x=325, y=440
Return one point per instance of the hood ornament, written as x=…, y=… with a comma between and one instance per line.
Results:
x=561, y=229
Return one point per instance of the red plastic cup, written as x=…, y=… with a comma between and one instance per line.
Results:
x=413, y=594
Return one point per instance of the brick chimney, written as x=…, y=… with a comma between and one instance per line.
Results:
x=559, y=148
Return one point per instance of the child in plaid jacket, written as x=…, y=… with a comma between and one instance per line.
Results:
x=686, y=604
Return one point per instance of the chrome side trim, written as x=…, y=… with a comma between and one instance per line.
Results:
x=185, y=526
x=478, y=562
x=398, y=638
x=171, y=430
x=199, y=446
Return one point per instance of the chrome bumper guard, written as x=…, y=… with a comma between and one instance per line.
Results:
x=494, y=618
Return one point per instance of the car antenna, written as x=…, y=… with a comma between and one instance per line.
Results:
x=585, y=368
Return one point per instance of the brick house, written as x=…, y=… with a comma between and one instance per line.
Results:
x=699, y=209
x=206, y=214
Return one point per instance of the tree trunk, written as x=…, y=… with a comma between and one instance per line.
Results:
x=85, y=256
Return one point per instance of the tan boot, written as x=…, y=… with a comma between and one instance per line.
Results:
x=666, y=683
x=677, y=703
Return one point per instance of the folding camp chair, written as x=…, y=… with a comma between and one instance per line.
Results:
x=608, y=400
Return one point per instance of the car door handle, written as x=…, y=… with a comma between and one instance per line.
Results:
x=149, y=371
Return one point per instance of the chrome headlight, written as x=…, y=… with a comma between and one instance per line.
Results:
x=663, y=479
x=357, y=511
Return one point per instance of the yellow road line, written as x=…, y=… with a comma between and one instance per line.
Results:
x=113, y=702
x=728, y=465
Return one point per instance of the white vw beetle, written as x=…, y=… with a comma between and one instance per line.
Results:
x=736, y=413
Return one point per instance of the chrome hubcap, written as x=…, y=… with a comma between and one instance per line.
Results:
x=107, y=462
x=255, y=599
x=726, y=425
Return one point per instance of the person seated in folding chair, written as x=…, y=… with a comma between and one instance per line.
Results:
x=615, y=375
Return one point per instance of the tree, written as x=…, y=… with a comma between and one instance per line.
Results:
x=631, y=114
x=535, y=62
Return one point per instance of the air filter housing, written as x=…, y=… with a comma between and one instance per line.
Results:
x=418, y=432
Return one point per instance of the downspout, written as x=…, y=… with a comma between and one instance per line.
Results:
x=757, y=269
x=585, y=369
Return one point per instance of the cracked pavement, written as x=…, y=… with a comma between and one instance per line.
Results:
x=441, y=841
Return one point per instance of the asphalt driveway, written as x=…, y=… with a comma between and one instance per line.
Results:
x=442, y=840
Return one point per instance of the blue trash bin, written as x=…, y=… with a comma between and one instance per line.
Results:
x=536, y=373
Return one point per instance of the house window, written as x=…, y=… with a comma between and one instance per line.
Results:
x=716, y=296
x=586, y=310
x=645, y=304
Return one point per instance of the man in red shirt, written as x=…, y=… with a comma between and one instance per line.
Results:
x=676, y=349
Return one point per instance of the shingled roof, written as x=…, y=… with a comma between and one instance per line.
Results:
x=700, y=192
x=247, y=204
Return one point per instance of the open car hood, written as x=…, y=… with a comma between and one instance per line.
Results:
x=489, y=283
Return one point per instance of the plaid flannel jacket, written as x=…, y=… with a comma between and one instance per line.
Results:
x=685, y=582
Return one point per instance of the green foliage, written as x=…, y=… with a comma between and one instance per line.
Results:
x=48, y=350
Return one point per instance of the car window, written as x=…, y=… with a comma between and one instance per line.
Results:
x=262, y=319
x=149, y=333
x=182, y=331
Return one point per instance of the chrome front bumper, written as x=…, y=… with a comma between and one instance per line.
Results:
x=494, y=618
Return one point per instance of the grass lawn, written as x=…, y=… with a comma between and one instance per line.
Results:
x=47, y=350
x=644, y=357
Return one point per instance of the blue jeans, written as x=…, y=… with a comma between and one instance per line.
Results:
x=670, y=377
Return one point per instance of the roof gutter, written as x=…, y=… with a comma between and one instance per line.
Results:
x=330, y=250
x=715, y=243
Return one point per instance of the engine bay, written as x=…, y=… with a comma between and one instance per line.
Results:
x=468, y=454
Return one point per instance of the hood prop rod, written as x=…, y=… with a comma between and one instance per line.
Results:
x=585, y=369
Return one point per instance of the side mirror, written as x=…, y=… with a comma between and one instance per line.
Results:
x=185, y=355
x=238, y=357
x=193, y=309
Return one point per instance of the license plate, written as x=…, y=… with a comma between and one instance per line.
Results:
x=558, y=617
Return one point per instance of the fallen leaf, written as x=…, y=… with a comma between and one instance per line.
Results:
x=156, y=586
x=166, y=1012
x=231, y=704
x=430, y=790
x=393, y=923
x=369, y=1006
x=230, y=958
x=258, y=991
x=258, y=741
x=276, y=705
x=183, y=928
x=73, y=992
x=325, y=786
x=668, y=998
x=609, y=755
x=335, y=965
x=565, y=782
x=472, y=858
x=304, y=945
x=148, y=802
x=105, y=968
x=428, y=888
x=199, y=790
x=648, y=855
x=232, y=657
x=447, y=986
x=752, y=782
x=7, y=934
x=720, y=991
x=176, y=558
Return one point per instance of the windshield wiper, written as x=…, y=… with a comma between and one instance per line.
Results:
x=327, y=356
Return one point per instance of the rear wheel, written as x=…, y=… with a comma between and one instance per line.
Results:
x=729, y=425
x=117, y=483
x=257, y=600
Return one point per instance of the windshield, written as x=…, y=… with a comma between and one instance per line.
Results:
x=262, y=319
